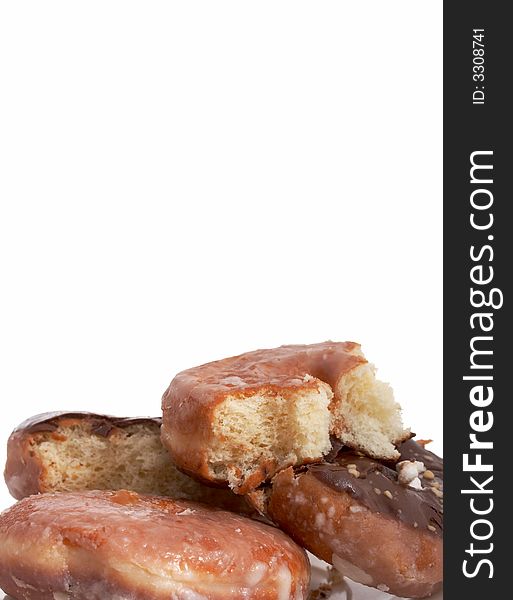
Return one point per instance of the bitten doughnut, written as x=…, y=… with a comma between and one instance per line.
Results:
x=56, y=452
x=381, y=525
x=240, y=420
x=123, y=546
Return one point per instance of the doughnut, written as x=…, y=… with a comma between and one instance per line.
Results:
x=122, y=545
x=378, y=523
x=59, y=452
x=241, y=420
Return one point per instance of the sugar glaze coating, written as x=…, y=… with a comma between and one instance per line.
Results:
x=97, y=545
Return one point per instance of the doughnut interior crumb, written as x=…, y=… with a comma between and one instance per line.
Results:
x=131, y=458
x=365, y=415
x=269, y=430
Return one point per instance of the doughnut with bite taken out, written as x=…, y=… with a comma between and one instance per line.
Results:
x=241, y=420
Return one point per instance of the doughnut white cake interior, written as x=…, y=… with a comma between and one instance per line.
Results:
x=240, y=420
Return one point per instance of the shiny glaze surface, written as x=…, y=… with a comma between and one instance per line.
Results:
x=147, y=546
x=283, y=367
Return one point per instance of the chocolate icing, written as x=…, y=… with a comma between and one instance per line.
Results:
x=101, y=425
x=423, y=507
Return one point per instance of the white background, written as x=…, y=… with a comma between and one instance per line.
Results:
x=184, y=181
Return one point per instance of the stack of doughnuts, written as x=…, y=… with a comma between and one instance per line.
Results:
x=257, y=458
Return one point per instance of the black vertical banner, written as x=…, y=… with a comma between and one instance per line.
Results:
x=478, y=249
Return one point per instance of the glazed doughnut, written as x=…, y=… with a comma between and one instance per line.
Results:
x=240, y=420
x=121, y=545
x=56, y=452
x=381, y=525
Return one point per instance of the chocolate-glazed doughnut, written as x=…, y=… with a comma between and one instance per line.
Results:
x=126, y=546
x=78, y=451
x=100, y=424
x=379, y=523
